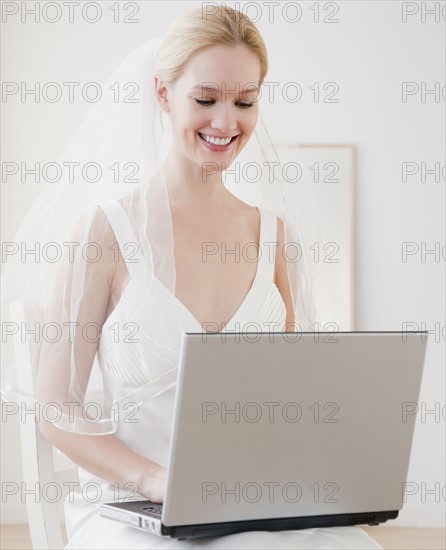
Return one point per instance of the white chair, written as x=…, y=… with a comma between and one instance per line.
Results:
x=38, y=461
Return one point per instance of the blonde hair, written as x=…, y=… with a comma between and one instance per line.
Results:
x=196, y=30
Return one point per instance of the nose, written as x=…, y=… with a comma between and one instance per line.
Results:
x=224, y=117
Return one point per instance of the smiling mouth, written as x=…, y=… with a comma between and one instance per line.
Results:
x=215, y=146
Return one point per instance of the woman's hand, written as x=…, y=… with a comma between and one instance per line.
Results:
x=153, y=483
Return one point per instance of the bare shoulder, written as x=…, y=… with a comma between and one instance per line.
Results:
x=92, y=224
x=100, y=228
x=96, y=238
x=240, y=206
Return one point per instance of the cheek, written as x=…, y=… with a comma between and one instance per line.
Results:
x=184, y=117
x=251, y=122
x=192, y=122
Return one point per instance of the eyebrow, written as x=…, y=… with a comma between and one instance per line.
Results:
x=203, y=87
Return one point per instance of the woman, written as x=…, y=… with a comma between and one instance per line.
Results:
x=178, y=275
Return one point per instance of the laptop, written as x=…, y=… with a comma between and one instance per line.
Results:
x=284, y=430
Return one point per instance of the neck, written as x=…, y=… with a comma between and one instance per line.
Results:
x=188, y=182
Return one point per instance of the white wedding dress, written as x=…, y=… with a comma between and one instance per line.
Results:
x=161, y=321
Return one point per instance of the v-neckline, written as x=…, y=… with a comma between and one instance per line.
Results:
x=248, y=294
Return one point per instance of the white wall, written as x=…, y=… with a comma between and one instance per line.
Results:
x=368, y=53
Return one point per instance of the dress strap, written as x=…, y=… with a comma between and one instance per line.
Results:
x=125, y=236
x=268, y=240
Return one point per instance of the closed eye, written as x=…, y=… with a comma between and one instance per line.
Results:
x=208, y=102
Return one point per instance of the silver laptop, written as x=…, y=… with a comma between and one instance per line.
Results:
x=276, y=431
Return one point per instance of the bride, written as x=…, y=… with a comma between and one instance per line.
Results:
x=172, y=255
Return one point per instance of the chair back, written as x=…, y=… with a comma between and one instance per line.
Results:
x=43, y=506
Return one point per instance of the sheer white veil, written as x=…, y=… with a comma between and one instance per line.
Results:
x=123, y=143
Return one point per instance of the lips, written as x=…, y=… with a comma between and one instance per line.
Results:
x=214, y=147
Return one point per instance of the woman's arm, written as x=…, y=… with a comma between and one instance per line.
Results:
x=108, y=458
x=281, y=278
x=102, y=455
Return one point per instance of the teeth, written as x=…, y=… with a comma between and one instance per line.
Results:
x=216, y=141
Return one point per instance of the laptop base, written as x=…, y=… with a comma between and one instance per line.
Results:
x=278, y=524
x=136, y=514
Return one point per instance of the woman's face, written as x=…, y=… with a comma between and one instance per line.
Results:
x=215, y=98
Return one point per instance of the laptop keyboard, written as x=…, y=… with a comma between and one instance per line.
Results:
x=154, y=509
